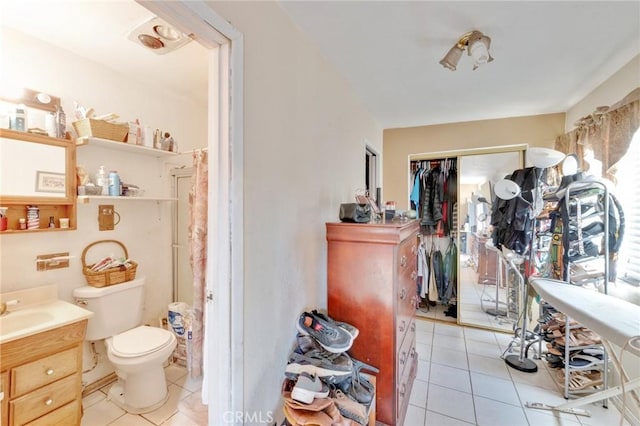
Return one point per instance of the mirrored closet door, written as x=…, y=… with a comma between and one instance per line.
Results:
x=463, y=276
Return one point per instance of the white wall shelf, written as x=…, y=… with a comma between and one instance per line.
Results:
x=123, y=146
x=86, y=199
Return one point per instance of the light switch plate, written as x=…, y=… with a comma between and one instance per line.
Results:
x=105, y=217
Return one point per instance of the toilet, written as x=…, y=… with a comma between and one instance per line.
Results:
x=137, y=351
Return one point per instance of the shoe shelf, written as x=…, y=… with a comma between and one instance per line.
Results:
x=568, y=222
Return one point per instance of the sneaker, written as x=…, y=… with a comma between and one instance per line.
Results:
x=332, y=368
x=309, y=387
x=352, y=330
x=332, y=338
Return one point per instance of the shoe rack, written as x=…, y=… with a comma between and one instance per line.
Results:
x=584, y=358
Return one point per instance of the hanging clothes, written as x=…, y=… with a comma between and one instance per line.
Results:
x=451, y=272
x=433, y=284
x=423, y=271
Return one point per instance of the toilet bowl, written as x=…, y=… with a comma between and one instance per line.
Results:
x=137, y=351
x=139, y=355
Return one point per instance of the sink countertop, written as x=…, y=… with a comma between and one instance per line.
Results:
x=39, y=310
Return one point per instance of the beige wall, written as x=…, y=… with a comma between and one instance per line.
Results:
x=537, y=130
x=304, y=133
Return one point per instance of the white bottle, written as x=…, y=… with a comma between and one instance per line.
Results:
x=102, y=180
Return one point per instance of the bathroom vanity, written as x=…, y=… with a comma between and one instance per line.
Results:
x=41, y=360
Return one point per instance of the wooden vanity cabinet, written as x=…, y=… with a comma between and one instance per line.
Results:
x=371, y=283
x=487, y=262
x=42, y=377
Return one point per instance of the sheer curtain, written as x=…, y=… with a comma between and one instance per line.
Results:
x=198, y=198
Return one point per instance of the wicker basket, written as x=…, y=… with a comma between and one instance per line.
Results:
x=101, y=129
x=109, y=276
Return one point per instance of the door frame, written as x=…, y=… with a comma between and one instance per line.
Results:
x=223, y=382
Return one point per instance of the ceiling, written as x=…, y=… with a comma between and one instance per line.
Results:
x=548, y=55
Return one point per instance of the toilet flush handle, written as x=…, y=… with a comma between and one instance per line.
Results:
x=81, y=302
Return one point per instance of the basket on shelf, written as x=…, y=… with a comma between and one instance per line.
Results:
x=109, y=276
x=101, y=129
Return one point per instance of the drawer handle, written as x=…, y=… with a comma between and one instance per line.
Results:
x=414, y=275
x=402, y=326
x=413, y=353
x=48, y=401
x=403, y=261
x=403, y=390
x=403, y=294
x=403, y=357
x=49, y=371
x=414, y=249
x=413, y=326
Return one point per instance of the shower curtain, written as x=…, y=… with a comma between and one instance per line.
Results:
x=198, y=199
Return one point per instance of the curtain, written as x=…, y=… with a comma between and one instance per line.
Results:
x=198, y=199
x=606, y=133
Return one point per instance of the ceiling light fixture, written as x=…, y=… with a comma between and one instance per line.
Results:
x=477, y=45
x=158, y=36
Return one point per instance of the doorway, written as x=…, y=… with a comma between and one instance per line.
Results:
x=223, y=379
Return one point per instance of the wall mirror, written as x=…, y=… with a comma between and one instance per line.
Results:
x=480, y=297
x=36, y=169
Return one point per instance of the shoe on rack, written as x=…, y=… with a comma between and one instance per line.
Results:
x=331, y=337
x=349, y=408
x=331, y=368
x=351, y=329
x=309, y=387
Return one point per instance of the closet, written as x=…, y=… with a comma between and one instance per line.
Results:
x=451, y=191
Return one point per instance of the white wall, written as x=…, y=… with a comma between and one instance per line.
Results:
x=145, y=226
x=304, y=134
x=608, y=93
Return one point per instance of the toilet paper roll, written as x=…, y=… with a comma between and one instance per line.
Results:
x=176, y=315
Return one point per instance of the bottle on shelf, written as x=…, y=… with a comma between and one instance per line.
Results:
x=114, y=183
x=102, y=180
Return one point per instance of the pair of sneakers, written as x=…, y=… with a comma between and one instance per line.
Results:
x=333, y=336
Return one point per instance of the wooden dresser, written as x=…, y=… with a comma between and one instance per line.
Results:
x=41, y=377
x=371, y=283
x=487, y=262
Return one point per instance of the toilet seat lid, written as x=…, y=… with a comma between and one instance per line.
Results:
x=139, y=341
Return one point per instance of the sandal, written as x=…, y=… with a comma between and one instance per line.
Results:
x=580, y=382
x=585, y=362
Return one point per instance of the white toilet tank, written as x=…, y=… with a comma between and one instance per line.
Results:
x=116, y=308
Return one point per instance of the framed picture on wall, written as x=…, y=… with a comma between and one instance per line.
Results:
x=49, y=181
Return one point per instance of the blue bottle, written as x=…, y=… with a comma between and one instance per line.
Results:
x=114, y=183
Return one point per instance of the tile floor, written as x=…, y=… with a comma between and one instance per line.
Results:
x=183, y=408
x=461, y=380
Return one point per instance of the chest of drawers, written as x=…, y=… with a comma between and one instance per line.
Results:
x=371, y=283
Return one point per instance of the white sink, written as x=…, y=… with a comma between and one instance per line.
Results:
x=21, y=320
x=37, y=314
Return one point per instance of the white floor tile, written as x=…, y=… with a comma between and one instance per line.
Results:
x=176, y=393
x=425, y=337
x=529, y=393
x=92, y=398
x=491, y=350
x=489, y=366
x=449, y=342
x=131, y=420
x=543, y=417
x=419, y=394
x=437, y=419
x=451, y=403
x=101, y=414
x=496, y=388
x=601, y=415
x=449, y=377
x=414, y=416
x=541, y=378
x=180, y=419
x=190, y=384
x=478, y=335
x=424, y=351
x=423, y=370
x=452, y=358
x=449, y=330
x=495, y=413
x=422, y=325
x=174, y=372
